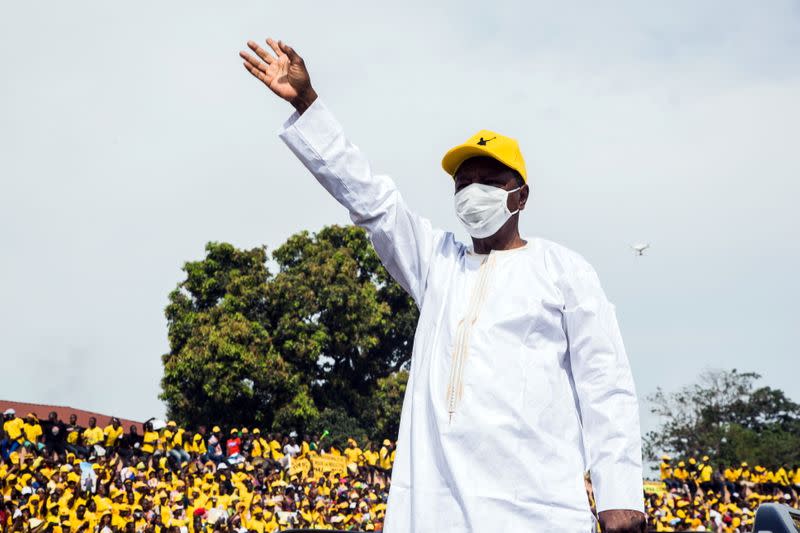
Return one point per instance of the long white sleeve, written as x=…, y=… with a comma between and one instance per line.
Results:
x=604, y=385
x=404, y=241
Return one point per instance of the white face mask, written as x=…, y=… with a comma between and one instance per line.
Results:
x=483, y=209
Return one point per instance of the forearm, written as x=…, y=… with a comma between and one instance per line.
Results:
x=404, y=241
x=606, y=393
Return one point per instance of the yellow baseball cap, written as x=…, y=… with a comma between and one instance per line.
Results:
x=489, y=144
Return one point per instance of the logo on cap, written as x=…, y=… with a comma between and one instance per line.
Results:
x=482, y=141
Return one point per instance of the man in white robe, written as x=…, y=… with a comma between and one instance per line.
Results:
x=519, y=382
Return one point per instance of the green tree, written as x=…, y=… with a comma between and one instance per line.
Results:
x=326, y=333
x=727, y=416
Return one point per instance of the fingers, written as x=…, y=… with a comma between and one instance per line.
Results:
x=263, y=54
x=274, y=45
x=289, y=51
x=257, y=73
x=260, y=65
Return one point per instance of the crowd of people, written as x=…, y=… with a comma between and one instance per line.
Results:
x=61, y=477
x=712, y=496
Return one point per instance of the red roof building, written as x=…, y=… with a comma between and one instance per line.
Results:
x=41, y=411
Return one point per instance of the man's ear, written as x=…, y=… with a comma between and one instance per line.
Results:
x=523, y=196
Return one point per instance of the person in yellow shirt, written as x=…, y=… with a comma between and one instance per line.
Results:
x=198, y=445
x=113, y=432
x=139, y=520
x=795, y=477
x=304, y=446
x=705, y=473
x=385, y=458
x=733, y=474
x=352, y=452
x=665, y=468
x=275, y=448
x=74, y=431
x=174, y=445
x=680, y=473
x=260, y=446
x=149, y=439
x=81, y=519
x=261, y=523
x=782, y=479
x=93, y=435
x=32, y=430
x=14, y=436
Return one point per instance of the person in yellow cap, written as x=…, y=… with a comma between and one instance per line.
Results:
x=385, y=456
x=516, y=344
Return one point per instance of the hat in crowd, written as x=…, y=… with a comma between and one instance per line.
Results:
x=9, y=411
x=215, y=429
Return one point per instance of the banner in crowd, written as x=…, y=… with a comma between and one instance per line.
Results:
x=654, y=487
x=322, y=464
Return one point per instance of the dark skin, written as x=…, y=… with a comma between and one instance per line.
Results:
x=490, y=171
x=284, y=72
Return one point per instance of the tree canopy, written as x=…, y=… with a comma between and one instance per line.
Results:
x=727, y=416
x=313, y=333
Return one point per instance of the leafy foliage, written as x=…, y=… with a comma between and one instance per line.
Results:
x=324, y=335
x=725, y=415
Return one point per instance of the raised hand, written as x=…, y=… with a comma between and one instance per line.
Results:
x=284, y=73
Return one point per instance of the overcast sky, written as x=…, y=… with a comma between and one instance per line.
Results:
x=131, y=135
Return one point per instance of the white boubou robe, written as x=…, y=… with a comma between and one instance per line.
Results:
x=519, y=381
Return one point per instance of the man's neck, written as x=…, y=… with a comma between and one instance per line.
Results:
x=502, y=240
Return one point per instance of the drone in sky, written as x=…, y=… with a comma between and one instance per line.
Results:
x=640, y=248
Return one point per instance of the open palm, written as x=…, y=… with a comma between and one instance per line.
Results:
x=284, y=73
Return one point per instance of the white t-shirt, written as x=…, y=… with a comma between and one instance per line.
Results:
x=291, y=450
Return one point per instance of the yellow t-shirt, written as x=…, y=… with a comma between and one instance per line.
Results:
x=705, y=473
x=32, y=431
x=200, y=446
x=92, y=436
x=177, y=440
x=13, y=428
x=372, y=457
x=166, y=439
x=112, y=434
x=149, y=441
x=275, y=446
x=257, y=450
x=666, y=470
x=385, y=458
x=733, y=474
x=352, y=454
